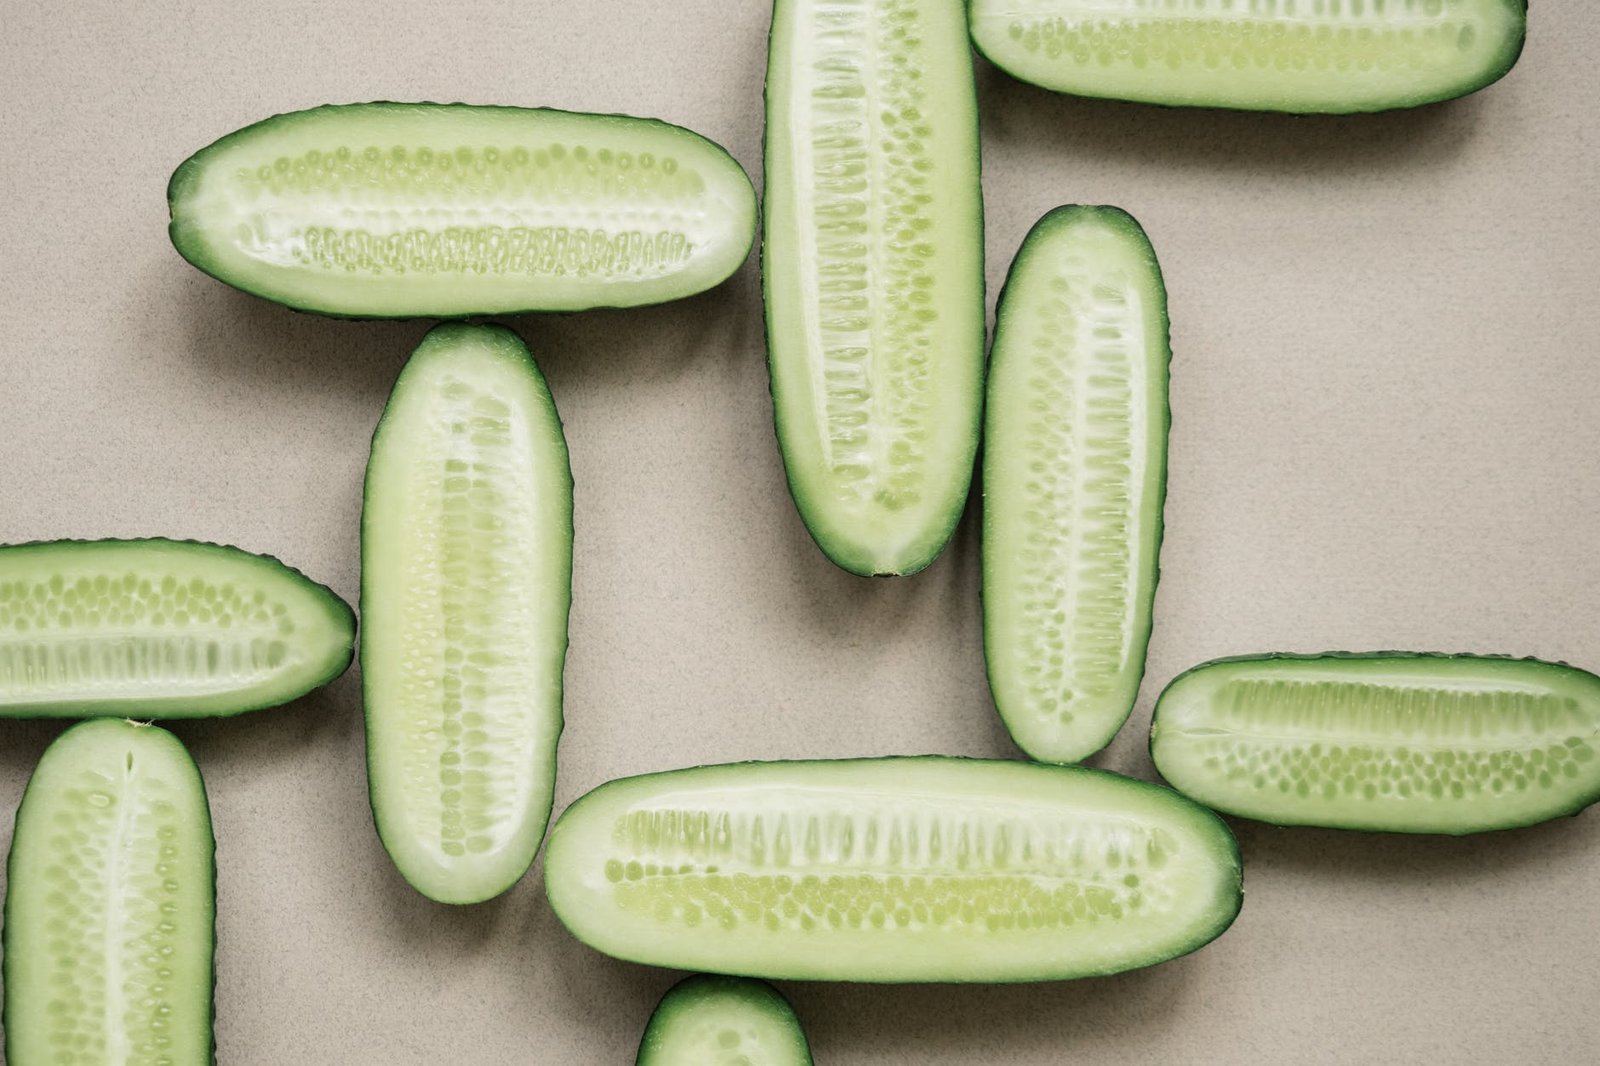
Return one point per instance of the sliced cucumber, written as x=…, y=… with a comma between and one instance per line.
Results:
x=1074, y=475
x=872, y=263
x=1255, y=55
x=1390, y=741
x=407, y=210
x=919, y=869
x=466, y=550
x=723, y=1021
x=161, y=629
x=110, y=904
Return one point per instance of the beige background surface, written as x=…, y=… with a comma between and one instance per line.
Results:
x=1384, y=397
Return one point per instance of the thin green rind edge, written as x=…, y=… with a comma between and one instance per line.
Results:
x=340, y=612
x=1357, y=825
x=1051, y=220
x=5, y=913
x=1512, y=53
x=839, y=554
x=186, y=172
x=520, y=348
x=701, y=985
x=1205, y=816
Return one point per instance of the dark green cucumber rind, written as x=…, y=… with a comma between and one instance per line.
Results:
x=163, y=709
x=185, y=175
x=1513, y=52
x=1120, y=219
x=840, y=554
x=6, y=959
x=716, y=985
x=526, y=356
x=1356, y=824
x=1204, y=816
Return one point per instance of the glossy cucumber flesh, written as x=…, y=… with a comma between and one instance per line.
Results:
x=161, y=629
x=707, y=1020
x=1268, y=55
x=1074, y=476
x=873, y=271
x=926, y=869
x=466, y=577
x=411, y=210
x=1405, y=743
x=110, y=905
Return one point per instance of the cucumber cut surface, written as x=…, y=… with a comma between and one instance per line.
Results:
x=707, y=1020
x=389, y=210
x=1388, y=741
x=110, y=904
x=1260, y=55
x=897, y=869
x=1074, y=476
x=872, y=267
x=466, y=575
x=161, y=629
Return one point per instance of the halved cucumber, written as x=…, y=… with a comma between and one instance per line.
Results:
x=110, y=904
x=161, y=629
x=1074, y=475
x=466, y=576
x=872, y=262
x=900, y=869
x=1256, y=55
x=389, y=210
x=1388, y=741
x=723, y=1021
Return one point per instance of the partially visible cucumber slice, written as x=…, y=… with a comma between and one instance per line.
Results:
x=161, y=629
x=110, y=904
x=1257, y=55
x=466, y=548
x=899, y=869
x=872, y=262
x=1389, y=741
x=723, y=1021
x=389, y=210
x=1074, y=475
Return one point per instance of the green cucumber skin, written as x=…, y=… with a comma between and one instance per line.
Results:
x=368, y=667
x=172, y=708
x=754, y=995
x=1220, y=834
x=1120, y=219
x=1515, y=47
x=851, y=557
x=1577, y=807
x=8, y=961
x=186, y=176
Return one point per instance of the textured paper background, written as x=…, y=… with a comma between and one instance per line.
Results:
x=1384, y=399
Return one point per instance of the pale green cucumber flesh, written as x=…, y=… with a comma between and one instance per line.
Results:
x=899, y=869
x=110, y=905
x=389, y=210
x=1260, y=55
x=872, y=267
x=161, y=629
x=708, y=1020
x=466, y=551
x=1388, y=741
x=1074, y=476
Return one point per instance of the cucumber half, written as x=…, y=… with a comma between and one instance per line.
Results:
x=897, y=869
x=1074, y=475
x=161, y=629
x=707, y=1020
x=466, y=576
x=872, y=265
x=1256, y=55
x=1388, y=741
x=389, y=210
x=110, y=904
